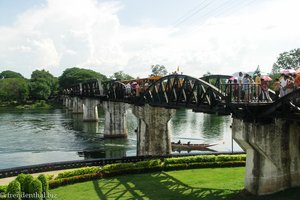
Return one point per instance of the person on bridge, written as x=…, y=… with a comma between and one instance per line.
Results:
x=276, y=87
x=246, y=87
x=283, y=83
x=297, y=81
x=265, y=91
x=257, y=83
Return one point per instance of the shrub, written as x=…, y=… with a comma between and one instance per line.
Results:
x=28, y=179
x=118, y=168
x=80, y=171
x=3, y=188
x=75, y=179
x=21, y=179
x=45, y=185
x=35, y=190
x=13, y=190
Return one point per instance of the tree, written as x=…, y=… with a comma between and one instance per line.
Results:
x=159, y=70
x=10, y=74
x=120, y=75
x=43, y=85
x=14, y=89
x=72, y=76
x=287, y=60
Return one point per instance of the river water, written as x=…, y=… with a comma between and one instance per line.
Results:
x=32, y=137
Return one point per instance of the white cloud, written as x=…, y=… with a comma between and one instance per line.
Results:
x=67, y=33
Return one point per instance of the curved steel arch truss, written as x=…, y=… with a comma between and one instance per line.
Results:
x=176, y=91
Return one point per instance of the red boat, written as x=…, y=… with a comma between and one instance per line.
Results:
x=188, y=146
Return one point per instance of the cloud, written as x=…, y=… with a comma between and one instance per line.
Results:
x=86, y=33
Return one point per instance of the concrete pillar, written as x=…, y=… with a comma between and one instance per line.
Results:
x=154, y=134
x=64, y=100
x=273, y=154
x=90, y=111
x=69, y=103
x=115, y=120
x=77, y=105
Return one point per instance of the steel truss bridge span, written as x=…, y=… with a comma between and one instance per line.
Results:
x=212, y=94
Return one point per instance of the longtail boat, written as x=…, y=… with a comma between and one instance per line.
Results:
x=187, y=146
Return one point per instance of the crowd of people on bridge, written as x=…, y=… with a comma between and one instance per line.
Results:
x=256, y=88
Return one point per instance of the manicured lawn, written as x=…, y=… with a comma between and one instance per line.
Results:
x=214, y=184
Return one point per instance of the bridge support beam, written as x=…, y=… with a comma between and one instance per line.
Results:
x=77, y=105
x=115, y=120
x=90, y=110
x=273, y=154
x=153, y=134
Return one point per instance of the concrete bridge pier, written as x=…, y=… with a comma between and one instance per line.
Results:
x=115, y=120
x=77, y=105
x=69, y=103
x=153, y=134
x=273, y=154
x=64, y=100
x=90, y=110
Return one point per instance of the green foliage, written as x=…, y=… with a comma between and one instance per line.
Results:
x=14, y=190
x=28, y=179
x=14, y=89
x=74, y=179
x=45, y=185
x=72, y=76
x=188, y=162
x=118, y=167
x=287, y=60
x=21, y=178
x=39, y=90
x=43, y=85
x=35, y=190
x=10, y=74
x=77, y=172
x=3, y=188
x=159, y=70
x=120, y=75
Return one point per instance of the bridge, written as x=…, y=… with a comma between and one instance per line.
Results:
x=266, y=128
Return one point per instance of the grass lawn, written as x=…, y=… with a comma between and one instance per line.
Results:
x=215, y=183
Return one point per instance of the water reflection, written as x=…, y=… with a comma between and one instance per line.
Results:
x=33, y=137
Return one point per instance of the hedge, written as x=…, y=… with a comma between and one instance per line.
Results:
x=21, y=178
x=35, y=190
x=3, y=188
x=75, y=179
x=45, y=185
x=77, y=172
x=28, y=179
x=13, y=190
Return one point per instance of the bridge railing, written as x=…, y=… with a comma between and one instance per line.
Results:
x=247, y=93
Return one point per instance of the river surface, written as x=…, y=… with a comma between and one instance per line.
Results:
x=32, y=137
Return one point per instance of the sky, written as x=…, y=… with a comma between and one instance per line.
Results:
x=199, y=36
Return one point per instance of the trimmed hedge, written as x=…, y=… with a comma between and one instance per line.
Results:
x=21, y=178
x=78, y=172
x=71, y=180
x=204, y=158
x=13, y=190
x=3, y=188
x=35, y=190
x=28, y=179
x=45, y=185
x=138, y=167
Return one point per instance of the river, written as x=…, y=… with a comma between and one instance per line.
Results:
x=32, y=137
